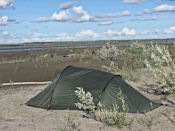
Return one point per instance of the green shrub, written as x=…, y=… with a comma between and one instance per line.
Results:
x=135, y=54
x=136, y=48
x=86, y=100
x=71, y=124
x=111, y=116
x=162, y=65
x=85, y=54
x=108, y=52
x=126, y=72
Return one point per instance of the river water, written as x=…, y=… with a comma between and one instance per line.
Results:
x=46, y=47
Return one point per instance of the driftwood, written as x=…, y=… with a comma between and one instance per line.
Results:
x=25, y=83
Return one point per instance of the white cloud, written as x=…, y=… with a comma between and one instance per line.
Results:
x=5, y=33
x=42, y=19
x=61, y=16
x=66, y=5
x=79, y=10
x=14, y=21
x=164, y=8
x=111, y=15
x=151, y=19
x=157, y=31
x=83, y=15
x=124, y=13
x=26, y=40
x=36, y=37
x=145, y=19
x=170, y=30
x=87, y=33
x=132, y=1
x=81, y=35
x=160, y=8
x=6, y=3
x=77, y=15
x=3, y=20
x=138, y=13
x=147, y=11
x=145, y=32
x=124, y=31
x=110, y=32
x=105, y=22
x=64, y=36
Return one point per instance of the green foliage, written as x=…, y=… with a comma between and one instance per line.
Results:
x=156, y=57
x=86, y=100
x=126, y=72
x=11, y=83
x=87, y=53
x=111, y=116
x=114, y=115
x=108, y=52
x=47, y=57
x=162, y=65
x=135, y=54
x=147, y=120
x=136, y=48
x=71, y=125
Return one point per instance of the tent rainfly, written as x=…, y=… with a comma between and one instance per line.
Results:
x=103, y=86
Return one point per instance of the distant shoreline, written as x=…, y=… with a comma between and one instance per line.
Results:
x=77, y=44
x=81, y=42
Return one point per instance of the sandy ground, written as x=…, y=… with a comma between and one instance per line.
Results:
x=16, y=116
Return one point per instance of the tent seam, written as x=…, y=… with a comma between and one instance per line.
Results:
x=105, y=88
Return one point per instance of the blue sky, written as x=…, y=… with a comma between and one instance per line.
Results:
x=64, y=20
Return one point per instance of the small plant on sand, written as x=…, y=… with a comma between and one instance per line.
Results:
x=108, y=52
x=70, y=125
x=136, y=54
x=162, y=65
x=136, y=48
x=86, y=100
x=12, y=84
x=147, y=120
x=85, y=54
x=112, y=67
x=126, y=72
x=113, y=115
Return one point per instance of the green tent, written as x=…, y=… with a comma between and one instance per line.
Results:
x=102, y=85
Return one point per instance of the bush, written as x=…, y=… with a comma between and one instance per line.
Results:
x=136, y=54
x=162, y=65
x=111, y=116
x=86, y=100
x=136, y=49
x=108, y=52
x=85, y=54
x=126, y=72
